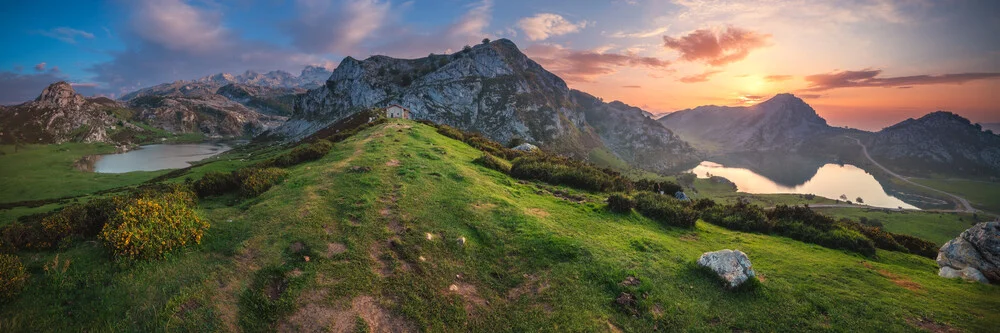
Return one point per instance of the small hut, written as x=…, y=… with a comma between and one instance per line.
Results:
x=397, y=111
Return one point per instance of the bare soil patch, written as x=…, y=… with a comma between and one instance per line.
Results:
x=334, y=249
x=929, y=325
x=469, y=295
x=537, y=212
x=392, y=163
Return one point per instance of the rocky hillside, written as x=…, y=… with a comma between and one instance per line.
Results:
x=59, y=114
x=493, y=89
x=939, y=142
x=228, y=111
x=783, y=122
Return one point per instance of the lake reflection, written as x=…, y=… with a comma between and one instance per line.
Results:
x=829, y=181
x=157, y=157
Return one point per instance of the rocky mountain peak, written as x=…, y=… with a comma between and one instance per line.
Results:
x=791, y=107
x=61, y=94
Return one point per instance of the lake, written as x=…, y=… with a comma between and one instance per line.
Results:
x=829, y=181
x=153, y=157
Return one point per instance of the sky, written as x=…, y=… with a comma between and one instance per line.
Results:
x=860, y=63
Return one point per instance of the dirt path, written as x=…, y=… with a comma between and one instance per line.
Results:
x=962, y=202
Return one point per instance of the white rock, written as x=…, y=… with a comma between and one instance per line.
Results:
x=732, y=266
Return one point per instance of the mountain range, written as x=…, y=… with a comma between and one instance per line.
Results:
x=496, y=90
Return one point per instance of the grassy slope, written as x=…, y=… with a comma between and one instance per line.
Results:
x=933, y=226
x=46, y=171
x=981, y=194
x=533, y=261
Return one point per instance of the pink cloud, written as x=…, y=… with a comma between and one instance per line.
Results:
x=717, y=48
x=585, y=66
x=869, y=78
x=699, y=77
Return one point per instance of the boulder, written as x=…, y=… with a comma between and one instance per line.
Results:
x=974, y=255
x=525, y=147
x=732, y=266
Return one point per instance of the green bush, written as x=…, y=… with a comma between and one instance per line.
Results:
x=215, y=183
x=882, y=239
x=12, y=276
x=559, y=170
x=493, y=162
x=703, y=204
x=255, y=181
x=620, y=203
x=300, y=154
x=450, y=132
x=148, y=227
x=666, y=187
x=918, y=246
x=665, y=209
x=739, y=216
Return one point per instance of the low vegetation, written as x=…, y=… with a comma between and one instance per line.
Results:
x=665, y=209
x=300, y=154
x=493, y=162
x=149, y=227
x=12, y=276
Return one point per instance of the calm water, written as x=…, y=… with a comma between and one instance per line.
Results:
x=157, y=157
x=829, y=181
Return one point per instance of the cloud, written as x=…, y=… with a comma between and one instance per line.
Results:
x=640, y=34
x=632, y=87
x=699, y=77
x=68, y=35
x=40, y=67
x=869, y=78
x=751, y=99
x=323, y=27
x=545, y=25
x=717, y=48
x=169, y=40
x=585, y=66
x=800, y=13
x=777, y=78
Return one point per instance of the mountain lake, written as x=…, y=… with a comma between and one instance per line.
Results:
x=833, y=181
x=152, y=157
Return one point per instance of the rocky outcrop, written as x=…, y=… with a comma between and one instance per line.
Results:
x=490, y=88
x=191, y=111
x=731, y=266
x=974, y=255
x=59, y=115
x=940, y=141
x=782, y=123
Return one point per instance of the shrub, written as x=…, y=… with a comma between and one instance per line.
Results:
x=563, y=171
x=918, y=246
x=255, y=181
x=882, y=239
x=450, y=132
x=665, y=209
x=739, y=216
x=666, y=187
x=215, y=183
x=493, y=162
x=801, y=214
x=25, y=234
x=703, y=204
x=300, y=154
x=620, y=203
x=150, y=227
x=12, y=276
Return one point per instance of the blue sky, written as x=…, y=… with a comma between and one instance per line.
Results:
x=885, y=60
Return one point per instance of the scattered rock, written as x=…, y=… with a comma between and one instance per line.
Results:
x=732, y=266
x=974, y=255
x=630, y=281
x=461, y=241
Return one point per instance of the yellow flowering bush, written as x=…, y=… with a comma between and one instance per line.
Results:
x=12, y=276
x=148, y=227
x=254, y=182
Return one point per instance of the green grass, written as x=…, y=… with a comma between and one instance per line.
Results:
x=37, y=172
x=531, y=261
x=981, y=194
x=725, y=194
x=933, y=226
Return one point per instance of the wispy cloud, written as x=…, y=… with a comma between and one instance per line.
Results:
x=640, y=34
x=65, y=34
x=704, y=76
x=777, y=78
x=586, y=66
x=717, y=48
x=544, y=25
x=331, y=27
x=869, y=78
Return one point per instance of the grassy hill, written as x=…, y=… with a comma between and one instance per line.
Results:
x=397, y=229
